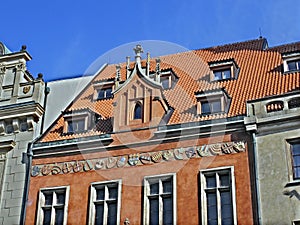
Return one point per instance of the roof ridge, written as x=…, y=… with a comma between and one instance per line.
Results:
x=235, y=43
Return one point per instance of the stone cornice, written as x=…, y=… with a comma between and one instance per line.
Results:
x=23, y=109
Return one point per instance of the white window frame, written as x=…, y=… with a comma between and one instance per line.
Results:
x=203, y=193
x=222, y=66
x=93, y=196
x=41, y=202
x=85, y=117
x=288, y=58
x=147, y=181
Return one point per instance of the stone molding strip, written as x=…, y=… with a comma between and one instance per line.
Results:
x=138, y=159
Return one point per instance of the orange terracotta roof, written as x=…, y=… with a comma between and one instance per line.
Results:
x=260, y=75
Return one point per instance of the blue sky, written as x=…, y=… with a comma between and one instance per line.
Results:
x=65, y=37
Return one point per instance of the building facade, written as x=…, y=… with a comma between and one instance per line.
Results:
x=172, y=140
x=275, y=123
x=21, y=109
x=23, y=117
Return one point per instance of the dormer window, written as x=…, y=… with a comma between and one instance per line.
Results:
x=209, y=107
x=76, y=126
x=223, y=70
x=137, y=114
x=291, y=62
x=167, y=79
x=77, y=122
x=222, y=74
x=105, y=93
x=293, y=65
x=103, y=90
x=211, y=102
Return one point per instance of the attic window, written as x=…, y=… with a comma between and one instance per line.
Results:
x=212, y=102
x=103, y=90
x=77, y=123
x=76, y=126
x=167, y=79
x=291, y=62
x=104, y=93
x=293, y=65
x=223, y=70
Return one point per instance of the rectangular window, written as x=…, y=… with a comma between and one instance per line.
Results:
x=222, y=74
x=105, y=93
x=218, y=196
x=295, y=152
x=53, y=206
x=160, y=200
x=76, y=126
x=105, y=203
x=165, y=81
x=293, y=65
x=213, y=106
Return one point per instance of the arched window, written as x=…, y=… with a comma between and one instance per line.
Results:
x=137, y=113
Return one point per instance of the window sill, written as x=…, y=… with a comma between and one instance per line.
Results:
x=293, y=183
x=291, y=71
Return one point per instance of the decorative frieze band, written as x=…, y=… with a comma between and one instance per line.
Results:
x=138, y=159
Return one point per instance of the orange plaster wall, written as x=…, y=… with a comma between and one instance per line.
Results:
x=187, y=172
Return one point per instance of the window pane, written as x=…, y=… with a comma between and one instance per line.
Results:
x=296, y=149
x=296, y=172
x=216, y=106
x=226, y=74
x=154, y=212
x=292, y=65
x=80, y=125
x=296, y=160
x=100, y=193
x=59, y=216
x=70, y=127
x=47, y=216
x=167, y=211
x=205, y=107
x=218, y=75
x=100, y=94
x=48, y=198
x=113, y=192
x=112, y=214
x=211, y=181
x=137, y=112
x=167, y=186
x=99, y=214
x=154, y=188
x=226, y=208
x=212, y=208
x=60, y=198
x=108, y=92
x=224, y=180
x=165, y=82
